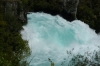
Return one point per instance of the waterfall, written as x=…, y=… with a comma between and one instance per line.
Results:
x=49, y=37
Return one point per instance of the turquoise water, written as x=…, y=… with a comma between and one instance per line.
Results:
x=51, y=36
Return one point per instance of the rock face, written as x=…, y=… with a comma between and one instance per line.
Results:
x=68, y=9
x=71, y=6
x=12, y=8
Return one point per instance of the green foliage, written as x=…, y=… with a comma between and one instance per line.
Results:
x=89, y=12
x=88, y=59
x=13, y=48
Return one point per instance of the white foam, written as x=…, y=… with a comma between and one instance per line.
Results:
x=51, y=36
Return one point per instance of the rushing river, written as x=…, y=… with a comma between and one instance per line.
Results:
x=49, y=37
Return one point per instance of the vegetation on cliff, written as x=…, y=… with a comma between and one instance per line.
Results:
x=13, y=49
x=89, y=12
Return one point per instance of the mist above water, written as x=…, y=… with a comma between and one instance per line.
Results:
x=51, y=36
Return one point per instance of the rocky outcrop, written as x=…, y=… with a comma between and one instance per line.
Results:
x=67, y=9
x=71, y=6
x=13, y=8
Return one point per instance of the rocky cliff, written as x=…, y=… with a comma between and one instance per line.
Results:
x=71, y=6
x=13, y=8
x=67, y=8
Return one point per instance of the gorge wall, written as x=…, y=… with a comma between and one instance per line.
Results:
x=87, y=10
x=67, y=8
